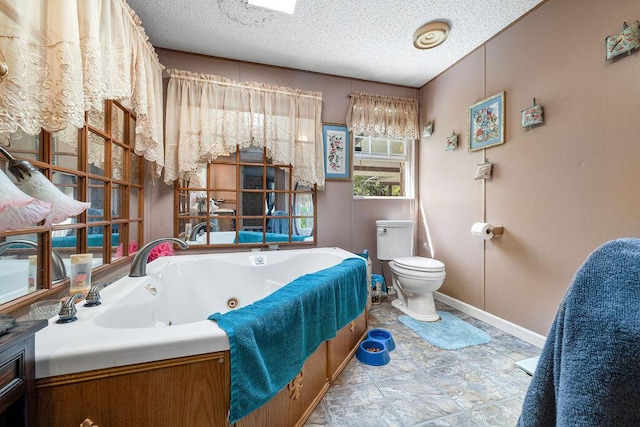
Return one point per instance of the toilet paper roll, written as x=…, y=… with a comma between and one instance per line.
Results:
x=482, y=230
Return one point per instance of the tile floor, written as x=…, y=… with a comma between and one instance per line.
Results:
x=427, y=386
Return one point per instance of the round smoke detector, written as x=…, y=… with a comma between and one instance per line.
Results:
x=430, y=35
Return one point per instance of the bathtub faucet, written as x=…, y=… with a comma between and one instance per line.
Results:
x=139, y=263
x=58, y=270
x=201, y=227
x=274, y=247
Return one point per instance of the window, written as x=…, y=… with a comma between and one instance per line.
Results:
x=382, y=167
x=244, y=199
x=95, y=164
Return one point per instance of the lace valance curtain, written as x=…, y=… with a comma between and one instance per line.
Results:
x=67, y=56
x=208, y=116
x=383, y=116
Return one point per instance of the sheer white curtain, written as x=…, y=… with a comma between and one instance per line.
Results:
x=67, y=56
x=208, y=116
x=383, y=116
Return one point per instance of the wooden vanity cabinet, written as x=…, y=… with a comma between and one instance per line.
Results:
x=290, y=409
x=189, y=391
x=344, y=345
x=296, y=400
x=17, y=374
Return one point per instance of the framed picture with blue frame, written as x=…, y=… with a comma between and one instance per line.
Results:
x=336, y=140
x=486, y=123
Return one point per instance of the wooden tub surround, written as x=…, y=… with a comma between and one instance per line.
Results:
x=188, y=391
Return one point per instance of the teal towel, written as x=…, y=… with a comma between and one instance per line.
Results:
x=271, y=339
x=588, y=372
x=256, y=237
x=94, y=240
x=377, y=279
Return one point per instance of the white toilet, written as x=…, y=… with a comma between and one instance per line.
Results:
x=414, y=278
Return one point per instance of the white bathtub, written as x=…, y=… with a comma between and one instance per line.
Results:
x=164, y=314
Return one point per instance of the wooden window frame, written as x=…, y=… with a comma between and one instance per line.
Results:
x=47, y=166
x=181, y=191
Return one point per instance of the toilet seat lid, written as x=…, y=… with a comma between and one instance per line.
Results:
x=420, y=263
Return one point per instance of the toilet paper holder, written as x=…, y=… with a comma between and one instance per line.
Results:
x=485, y=231
x=497, y=229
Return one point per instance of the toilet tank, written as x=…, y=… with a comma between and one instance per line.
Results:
x=395, y=238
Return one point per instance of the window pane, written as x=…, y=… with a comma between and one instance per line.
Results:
x=303, y=210
x=251, y=155
x=397, y=147
x=118, y=123
x=132, y=133
x=24, y=146
x=96, y=213
x=134, y=200
x=253, y=204
x=379, y=146
x=68, y=185
x=17, y=276
x=96, y=241
x=252, y=177
x=134, y=243
x=118, y=197
x=117, y=162
x=135, y=171
x=97, y=199
x=223, y=221
x=63, y=240
x=378, y=178
x=96, y=118
x=185, y=228
x=117, y=235
x=221, y=177
x=65, y=148
x=96, y=149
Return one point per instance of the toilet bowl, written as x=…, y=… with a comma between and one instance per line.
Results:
x=415, y=279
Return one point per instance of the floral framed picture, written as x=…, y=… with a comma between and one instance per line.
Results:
x=486, y=123
x=336, y=141
x=532, y=115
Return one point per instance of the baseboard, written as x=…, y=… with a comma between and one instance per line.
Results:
x=504, y=325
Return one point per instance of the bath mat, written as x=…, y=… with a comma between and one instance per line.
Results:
x=449, y=333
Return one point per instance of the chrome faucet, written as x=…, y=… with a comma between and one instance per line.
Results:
x=139, y=263
x=68, y=310
x=199, y=227
x=58, y=270
x=93, y=297
x=274, y=247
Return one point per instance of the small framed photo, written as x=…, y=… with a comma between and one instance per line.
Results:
x=428, y=129
x=336, y=140
x=532, y=115
x=486, y=123
x=623, y=42
x=452, y=142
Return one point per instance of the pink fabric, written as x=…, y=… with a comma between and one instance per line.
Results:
x=163, y=249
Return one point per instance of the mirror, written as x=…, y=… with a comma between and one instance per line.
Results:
x=101, y=168
x=244, y=199
x=18, y=267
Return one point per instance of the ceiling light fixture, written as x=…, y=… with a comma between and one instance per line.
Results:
x=286, y=6
x=431, y=35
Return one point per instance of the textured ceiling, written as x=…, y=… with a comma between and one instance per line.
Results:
x=364, y=39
